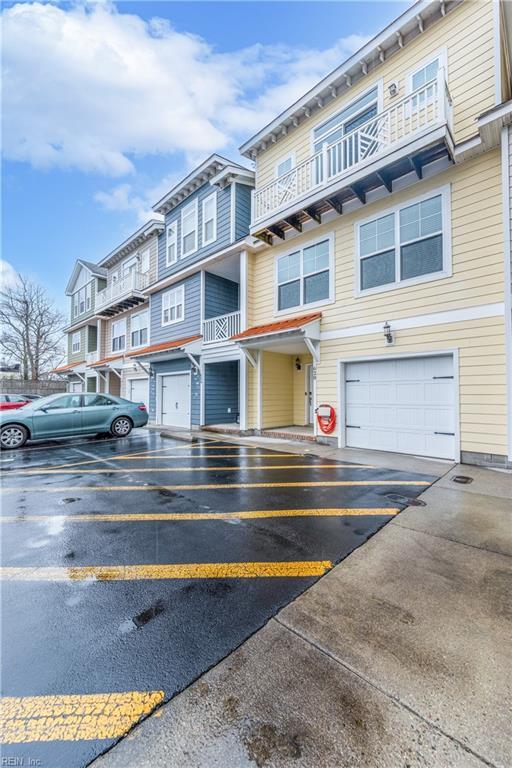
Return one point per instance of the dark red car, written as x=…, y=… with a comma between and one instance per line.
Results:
x=10, y=402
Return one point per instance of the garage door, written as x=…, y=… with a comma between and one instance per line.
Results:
x=76, y=386
x=175, y=399
x=405, y=405
x=138, y=391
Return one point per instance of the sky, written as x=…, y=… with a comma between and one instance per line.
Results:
x=105, y=106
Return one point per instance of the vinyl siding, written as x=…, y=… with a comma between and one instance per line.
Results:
x=77, y=357
x=221, y=296
x=477, y=254
x=175, y=366
x=107, y=350
x=221, y=385
x=467, y=34
x=190, y=325
x=152, y=244
x=482, y=372
x=223, y=229
x=242, y=210
x=277, y=386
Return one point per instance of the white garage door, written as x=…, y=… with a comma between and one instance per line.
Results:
x=76, y=386
x=175, y=400
x=405, y=405
x=138, y=391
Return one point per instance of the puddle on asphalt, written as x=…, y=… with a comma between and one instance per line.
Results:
x=68, y=500
x=398, y=498
x=142, y=618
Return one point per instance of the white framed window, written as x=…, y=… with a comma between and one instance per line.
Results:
x=171, y=244
x=75, y=342
x=130, y=266
x=76, y=302
x=354, y=114
x=209, y=217
x=405, y=245
x=189, y=229
x=143, y=260
x=284, y=165
x=139, y=329
x=118, y=335
x=82, y=300
x=173, y=305
x=304, y=277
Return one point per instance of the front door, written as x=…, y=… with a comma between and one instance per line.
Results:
x=310, y=405
x=175, y=399
x=63, y=416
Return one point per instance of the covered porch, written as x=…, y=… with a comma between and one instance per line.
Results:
x=108, y=374
x=282, y=360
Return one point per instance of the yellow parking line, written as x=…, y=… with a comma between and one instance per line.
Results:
x=212, y=487
x=141, y=455
x=239, y=468
x=73, y=717
x=168, y=571
x=171, y=516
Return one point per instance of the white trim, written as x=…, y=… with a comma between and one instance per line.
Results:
x=202, y=392
x=242, y=393
x=79, y=334
x=243, y=289
x=259, y=387
x=330, y=237
x=418, y=321
x=445, y=192
x=309, y=370
x=496, y=35
x=340, y=365
x=202, y=289
x=179, y=289
x=379, y=84
x=185, y=211
x=441, y=54
x=282, y=159
x=232, y=212
x=145, y=310
x=172, y=225
x=158, y=398
x=204, y=202
x=113, y=322
x=506, y=174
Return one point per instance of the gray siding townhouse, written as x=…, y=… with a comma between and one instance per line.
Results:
x=196, y=374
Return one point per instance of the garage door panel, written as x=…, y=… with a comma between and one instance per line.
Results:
x=138, y=391
x=401, y=405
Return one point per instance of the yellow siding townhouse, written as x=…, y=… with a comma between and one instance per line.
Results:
x=379, y=292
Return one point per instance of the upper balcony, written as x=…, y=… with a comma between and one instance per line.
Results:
x=122, y=293
x=220, y=329
x=404, y=138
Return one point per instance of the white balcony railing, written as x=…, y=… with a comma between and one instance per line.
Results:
x=423, y=109
x=122, y=288
x=221, y=328
x=92, y=357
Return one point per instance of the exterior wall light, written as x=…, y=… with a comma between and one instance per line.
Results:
x=298, y=366
x=393, y=88
x=388, y=336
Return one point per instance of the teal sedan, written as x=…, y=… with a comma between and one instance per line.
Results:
x=71, y=414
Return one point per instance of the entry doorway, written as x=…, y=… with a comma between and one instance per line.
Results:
x=310, y=402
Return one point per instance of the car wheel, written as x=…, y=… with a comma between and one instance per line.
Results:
x=121, y=427
x=13, y=436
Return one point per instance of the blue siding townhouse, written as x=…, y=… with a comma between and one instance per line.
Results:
x=197, y=376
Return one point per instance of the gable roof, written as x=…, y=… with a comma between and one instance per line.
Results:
x=94, y=269
x=150, y=228
x=405, y=28
x=211, y=167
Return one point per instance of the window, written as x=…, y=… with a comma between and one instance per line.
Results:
x=118, y=335
x=82, y=300
x=356, y=113
x=91, y=400
x=284, y=165
x=424, y=75
x=209, y=230
x=171, y=247
x=67, y=401
x=189, y=229
x=406, y=244
x=143, y=259
x=303, y=277
x=130, y=267
x=139, y=329
x=75, y=342
x=173, y=305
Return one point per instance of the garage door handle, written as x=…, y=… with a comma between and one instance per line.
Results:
x=452, y=434
x=442, y=377
x=352, y=426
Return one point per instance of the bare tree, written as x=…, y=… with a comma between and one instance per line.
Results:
x=30, y=328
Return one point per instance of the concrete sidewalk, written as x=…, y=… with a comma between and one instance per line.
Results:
x=398, y=658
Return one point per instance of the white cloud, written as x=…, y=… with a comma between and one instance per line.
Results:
x=8, y=275
x=91, y=88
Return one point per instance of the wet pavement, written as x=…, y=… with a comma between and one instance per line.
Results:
x=132, y=566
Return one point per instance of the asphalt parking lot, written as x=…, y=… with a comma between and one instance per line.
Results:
x=132, y=566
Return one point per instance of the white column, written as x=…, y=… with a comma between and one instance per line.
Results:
x=243, y=290
x=242, y=395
